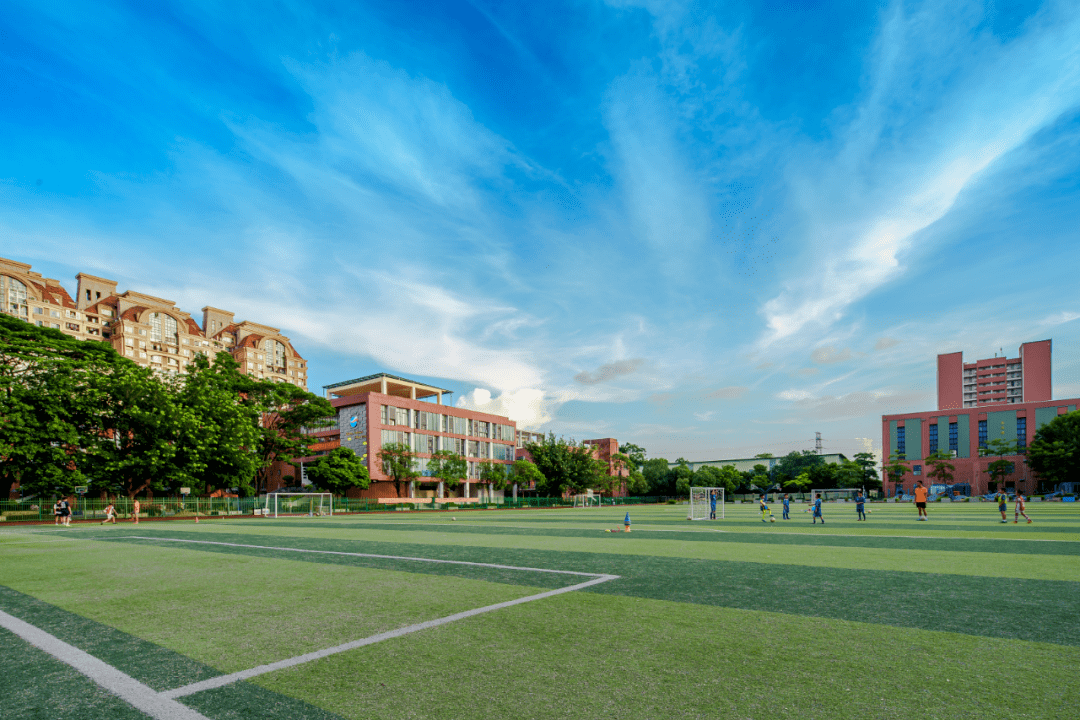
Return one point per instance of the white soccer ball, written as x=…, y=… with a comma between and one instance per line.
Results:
x=772, y=519
x=689, y=517
x=453, y=518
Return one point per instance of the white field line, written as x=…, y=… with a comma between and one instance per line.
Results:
x=127, y=688
x=318, y=654
x=369, y=555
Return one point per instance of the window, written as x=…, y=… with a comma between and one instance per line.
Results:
x=163, y=328
x=13, y=293
x=425, y=443
x=916, y=469
x=455, y=425
x=395, y=436
x=933, y=439
x=901, y=442
x=275, y=353
x=502, y=452
x=954, y=435
x=454, y=445
x=39, y=311
x=474, y=449
x=1021, y=433
x=982, y=433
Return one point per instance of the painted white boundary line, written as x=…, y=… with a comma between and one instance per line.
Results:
x=223, y=680
x=369, y=555
x=318, y=654
x=127, y=688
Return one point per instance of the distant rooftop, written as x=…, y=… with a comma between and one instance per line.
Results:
x=387, y=385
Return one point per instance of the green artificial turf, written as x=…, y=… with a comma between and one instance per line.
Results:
x=592, y=656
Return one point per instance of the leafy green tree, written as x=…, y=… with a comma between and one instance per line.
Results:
x=1001, y=468
x=217, y=449
x=636, y=484
x=657, y=475
x=567, y=466
x=1054, y=454
x=681, y=477
x=44, y=409
x=399, y=464
x=795, y=463
x=494, y=473
x=524, y=473
x=939, y=467
x=139, y=422
x=284, y=410
x=896, y=469
x=799, y=483
x=636, y=453
x=866, y=462
x=726, y=477
x=339, y=470
x=448, y=467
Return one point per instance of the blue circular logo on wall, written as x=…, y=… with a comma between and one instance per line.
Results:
x=354, y=421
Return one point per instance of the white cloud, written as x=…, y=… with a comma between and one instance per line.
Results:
x=1060, y=318
x=528, y=407
x=829, y=354
x=704, y=416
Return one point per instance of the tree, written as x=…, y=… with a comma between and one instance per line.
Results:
x=896, y=469
x=726, y=477
x=45, y=411
x=525, y=473
x=494, y=473
x=867, y=462
x=339, y=470
x=999, y=469
x=656, y=473
x=636, y=484
x=398, y=462
x=636, y=453
x=137, y=427
x=284, y=411
x=799, y=483
x=681, y=476
x=1055, y=452
x=940, y=467
x=448, y=467
x=218, y=449
x=795, y=463
x=567, y=466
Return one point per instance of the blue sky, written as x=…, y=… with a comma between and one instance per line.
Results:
x=709, y=229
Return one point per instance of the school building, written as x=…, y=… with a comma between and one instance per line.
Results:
x=993, y=399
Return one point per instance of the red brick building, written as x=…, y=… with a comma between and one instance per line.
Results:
x=993, y=399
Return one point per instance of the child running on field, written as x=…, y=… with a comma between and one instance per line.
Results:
x=110, y=514
x=817, y=510
x=1019, y=510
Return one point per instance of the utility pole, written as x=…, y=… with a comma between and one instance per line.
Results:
x=817, y=442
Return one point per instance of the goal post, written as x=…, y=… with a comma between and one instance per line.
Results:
x=299, y=504
x=701, y=503
x=590, y=499
x=834, y=495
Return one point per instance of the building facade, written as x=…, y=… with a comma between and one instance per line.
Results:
x=380, y=409
x=995, y=381
x=148, y=330
x=995, y=399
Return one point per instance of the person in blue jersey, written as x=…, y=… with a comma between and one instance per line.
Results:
x=817, y=510
x=712, y=505
x=860, y=506
x=764, y=508
x=787, y=506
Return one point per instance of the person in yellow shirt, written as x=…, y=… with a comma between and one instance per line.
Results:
x=920, y=499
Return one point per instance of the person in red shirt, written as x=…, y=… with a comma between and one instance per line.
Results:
x=920, y=500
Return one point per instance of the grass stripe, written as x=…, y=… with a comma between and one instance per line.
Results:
x=945, y=602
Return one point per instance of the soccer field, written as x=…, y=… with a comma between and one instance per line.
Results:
x=541, y=614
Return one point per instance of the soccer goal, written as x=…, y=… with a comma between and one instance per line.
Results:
x=299, y=504
x=834, y=495
x=701, y=503
x=589, y=499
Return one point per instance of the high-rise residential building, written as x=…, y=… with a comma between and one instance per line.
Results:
x=998, y=398
x=146, y=329
x=995, y=381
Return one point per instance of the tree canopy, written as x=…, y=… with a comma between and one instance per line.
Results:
x=338, y=471
x=1055, y=452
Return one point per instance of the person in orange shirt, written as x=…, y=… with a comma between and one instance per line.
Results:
x=920, y=500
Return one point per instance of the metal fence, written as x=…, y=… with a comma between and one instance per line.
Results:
x=84, y=509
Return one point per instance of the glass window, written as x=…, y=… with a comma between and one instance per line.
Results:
x=163, y=328
x=275, y=353
x=1021, y=433
x=982, y=433
x=901, y=442
x=916, y=469
x=933, y=439
x=954, y=435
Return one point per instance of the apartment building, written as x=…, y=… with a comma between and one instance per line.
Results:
x=997, y=380
x=148, y=330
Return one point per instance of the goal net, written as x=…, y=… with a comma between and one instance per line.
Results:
x=587, y=500
x=702, y=502
x=834, y=495
x=299, y=504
